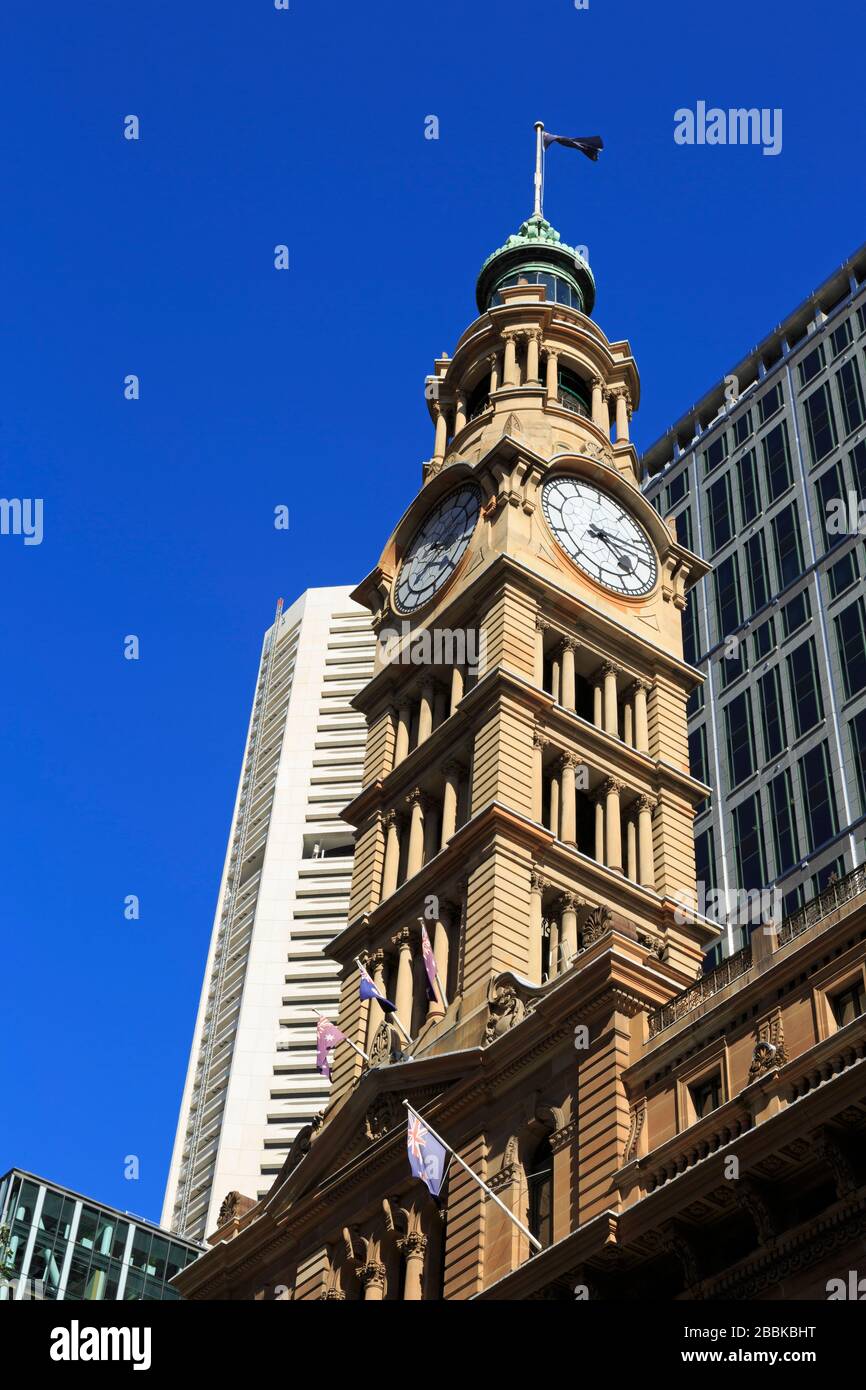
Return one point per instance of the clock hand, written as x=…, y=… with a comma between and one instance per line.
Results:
x=625, y=562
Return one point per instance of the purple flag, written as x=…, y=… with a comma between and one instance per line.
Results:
x=590, y=145
x=327, y=1036
x=426, y=1154
x=429, y=964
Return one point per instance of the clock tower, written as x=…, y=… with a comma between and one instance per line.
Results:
x=526, y=810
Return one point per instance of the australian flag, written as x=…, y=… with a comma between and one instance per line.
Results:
x=590, y=145
x=426, y=1154
x=327, y=1036
x=429, y=964
x=368, y=990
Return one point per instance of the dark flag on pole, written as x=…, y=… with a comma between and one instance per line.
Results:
x=590, y=145
x=327, y=1036
x=368, y=990
x=426, y=1154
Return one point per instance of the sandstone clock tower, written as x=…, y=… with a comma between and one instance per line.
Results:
x=526, y=797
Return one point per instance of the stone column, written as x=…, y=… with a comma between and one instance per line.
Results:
x=610, y=671
x=425, y=711
x=599, y=407
x=493, y=362
x=539, y=743
x=440, y=706
x=456, y=686
x=509, y=374
x=375, y=964
x=414, y=1246
x=567, y=693
x=554, y=806
x=568, y=832
x=555, y=679
x=373, y=1279
x=599, y=827
x=552, y=376
x=532, y=349
x=597, y=717
x=623, y=411
x=553, y=962
x=441, y=439
x=450, y=799
x=568, y=928
x=537, y=885
x=404, y=724
x=404, y=989
x=540, y=628
x=415, y=856
x=391, y=865
x=612, y=824
x=628, y=720
x=646, y=854
x=631, y=846
x=641, y=725
x=460, y=413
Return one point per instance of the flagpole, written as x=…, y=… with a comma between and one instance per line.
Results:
x=344, y=1038
x=394, y=1013
x=475, y=1178
x=539, y=169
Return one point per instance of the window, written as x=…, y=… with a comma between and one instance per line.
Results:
x=850, y=627
x=820, y=423
x=706, y=1095
x=788, y=544
x=740, y=738
x=841, y=337
x=851, y=395
x=843, y=574
x=695, y=702
x=691, y=633
x=819, y=800
x=732, y=664
x=716, y=453
x=757, y=571
x=777, y=460
x=797, y=612
x=861, y=318
x=742, y=427
x=699, y=761
x=720, y=513
x=772, y=714
x=749, y=488
x=764, y=639
x=805, y=688
x=848, y=1004
x=539, y=1179
x=857, y=735
x=857, y=459
x=678, y=488
x=573, y=393
x=830, y=491
x=727, y=584
x=749, y=843
x=811, y=365
x=683, y=524
x=783, y=822
x=705, y=859
x=771, y=402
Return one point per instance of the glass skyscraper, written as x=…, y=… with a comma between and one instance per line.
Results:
x=55, y=1244
x=766, y=477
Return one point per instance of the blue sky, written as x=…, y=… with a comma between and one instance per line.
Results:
x=303, y=388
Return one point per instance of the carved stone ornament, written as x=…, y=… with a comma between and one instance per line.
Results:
x=769, y=1051
x=383, y=1115
x=510, y=999
x=386, y=1047
x=598, y=921
x=234, y=1206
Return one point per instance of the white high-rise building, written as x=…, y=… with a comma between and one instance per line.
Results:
x=251, y=1082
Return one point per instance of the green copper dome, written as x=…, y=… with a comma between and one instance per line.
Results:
x=537, y=253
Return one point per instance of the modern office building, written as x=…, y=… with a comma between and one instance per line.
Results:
x=252, y=1083
x=765, y=477
x=56, y=1244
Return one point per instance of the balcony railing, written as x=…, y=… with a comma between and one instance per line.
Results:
x=833, y=896
x=571, y=402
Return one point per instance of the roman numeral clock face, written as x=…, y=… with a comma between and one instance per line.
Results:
x=600, y=536
x=437, y=548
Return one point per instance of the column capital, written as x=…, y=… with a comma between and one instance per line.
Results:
x=492, y=359
x=372, y=960
x=372, y=1273
x=537, y=881
x=646, y=803
x=541, y=624
x=417, y=797
x=569, y=760
x=539, y=738
x=389, y=819
x=611, y=784
x=570, y=644
x=609, y=667
x=413, y=1243
x=454, y=767
x=401, y=938
x=570, y=902
x=513, y=333
x=640, y=684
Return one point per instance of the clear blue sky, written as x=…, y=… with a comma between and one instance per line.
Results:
x=258, y=388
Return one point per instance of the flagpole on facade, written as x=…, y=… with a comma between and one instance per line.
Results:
x=393, y=1013
x=439, y=984
x=539, y=169
x=475, y=1178
x=359, y=1050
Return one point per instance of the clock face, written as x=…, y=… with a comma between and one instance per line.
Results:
x=600, y=536
x=437, y=548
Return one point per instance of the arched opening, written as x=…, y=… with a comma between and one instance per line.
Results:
x=573, y=393
x=539, y=1183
